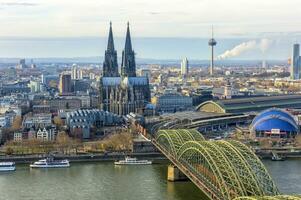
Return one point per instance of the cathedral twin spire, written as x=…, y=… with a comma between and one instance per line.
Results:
x=110, y=65
x=111, y=39
x=128, y=65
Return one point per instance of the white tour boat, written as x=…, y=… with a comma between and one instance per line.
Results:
x=133, y=161
x=7, y=166
x=50, y=163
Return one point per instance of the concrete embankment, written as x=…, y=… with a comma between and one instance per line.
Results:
x=267, y=154
x=110, y=157
x=155, y=157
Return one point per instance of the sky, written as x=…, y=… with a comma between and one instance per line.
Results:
x=41, y=28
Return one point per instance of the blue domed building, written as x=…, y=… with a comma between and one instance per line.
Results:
x=274, y=123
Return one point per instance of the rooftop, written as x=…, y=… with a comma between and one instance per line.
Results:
x=250, y=104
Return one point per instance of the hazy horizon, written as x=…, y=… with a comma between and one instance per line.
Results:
x=145, y=47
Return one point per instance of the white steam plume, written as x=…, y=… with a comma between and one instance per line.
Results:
x=237, y=50
x=263, y=45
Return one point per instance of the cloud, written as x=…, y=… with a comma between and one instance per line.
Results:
x=168, y=18
x=154, y=13
x=265, y=44
x=18, y=4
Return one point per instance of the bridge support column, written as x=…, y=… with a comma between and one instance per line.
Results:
x=174, y=174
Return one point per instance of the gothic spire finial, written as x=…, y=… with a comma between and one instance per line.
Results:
x=110, y=40
x=110, y=65
x=128, y=42
x=128, y=65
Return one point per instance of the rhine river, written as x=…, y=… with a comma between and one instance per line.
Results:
x=104, y=181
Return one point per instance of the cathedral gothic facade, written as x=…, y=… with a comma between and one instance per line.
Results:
x=123, y=92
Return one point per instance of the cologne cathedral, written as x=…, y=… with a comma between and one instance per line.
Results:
x=122, y=92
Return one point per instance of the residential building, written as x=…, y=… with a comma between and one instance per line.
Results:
x=34, y=86
x=37, y=121
x=18, y=136
x=46, y=134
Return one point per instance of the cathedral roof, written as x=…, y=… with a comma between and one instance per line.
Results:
x=111, y=81
x=133, y=81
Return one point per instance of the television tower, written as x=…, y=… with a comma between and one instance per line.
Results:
x=212, y=43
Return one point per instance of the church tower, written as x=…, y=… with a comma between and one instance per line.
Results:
x=124, y=93
x=128, y=65
x=110, y=65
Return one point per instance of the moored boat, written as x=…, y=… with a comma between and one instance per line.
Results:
x=132, y=161
x=277, y=157
x=7, y=166
x=49, y=162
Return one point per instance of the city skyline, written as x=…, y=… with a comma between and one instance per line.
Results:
x=206, y=93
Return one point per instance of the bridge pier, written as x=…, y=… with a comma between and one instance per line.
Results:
x=174, y=174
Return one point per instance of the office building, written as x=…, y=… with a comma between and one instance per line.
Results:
x=184, y=67
x=65, y=86
x=21, y=64
x=295, y=62
x=34, y=86
x=74, y=72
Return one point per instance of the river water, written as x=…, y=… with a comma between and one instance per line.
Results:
x=104, y=181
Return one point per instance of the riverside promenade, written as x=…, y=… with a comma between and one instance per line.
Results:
x=85, y=157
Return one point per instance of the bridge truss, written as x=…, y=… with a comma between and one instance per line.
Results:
x=280, y=197
x=223, y=170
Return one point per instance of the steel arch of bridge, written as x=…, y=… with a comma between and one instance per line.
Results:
x=172, y=140
x=280, y=197
x=223, y=170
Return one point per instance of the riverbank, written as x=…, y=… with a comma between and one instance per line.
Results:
x=108, y=157
x=267, y=154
